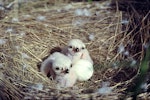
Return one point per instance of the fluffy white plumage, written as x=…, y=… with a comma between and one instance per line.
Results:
x=59, y=66
x=2, y=41
x=65, y=74
x=46, y=65
x=77, y=50
x=83, y=69
x=82, y=12
x=41, y=18
x=68, y=79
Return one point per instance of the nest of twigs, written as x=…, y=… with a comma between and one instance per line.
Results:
x=31, y=31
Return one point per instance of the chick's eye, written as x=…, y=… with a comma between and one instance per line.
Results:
x=71, y=65
x=57, y=68
x=83, y=48
x=70, y=47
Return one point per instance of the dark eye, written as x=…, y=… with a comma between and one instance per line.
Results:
x=77, y=49
x=83, y=48
x=57, y=68
x=71, y=65
x=70, y=47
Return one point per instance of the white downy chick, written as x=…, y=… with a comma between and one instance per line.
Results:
x=77, y=50
x=46, y=65
x=83, y=69
x=65, y=75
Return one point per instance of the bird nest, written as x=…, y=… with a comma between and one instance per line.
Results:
x=30, y=32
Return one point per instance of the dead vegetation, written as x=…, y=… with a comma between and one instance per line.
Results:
x=30, y=32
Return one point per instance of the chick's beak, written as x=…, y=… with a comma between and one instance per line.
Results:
x=76, y=49
x=66, y=71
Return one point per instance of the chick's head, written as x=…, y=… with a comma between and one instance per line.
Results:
x=61, y=66
x=75, y=46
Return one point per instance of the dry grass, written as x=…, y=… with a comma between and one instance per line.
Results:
x=29, y=40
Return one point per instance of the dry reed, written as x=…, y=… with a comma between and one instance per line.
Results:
x=41, y=27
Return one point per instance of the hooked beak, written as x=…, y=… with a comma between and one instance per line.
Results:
x=65, y=71
x=76, y=49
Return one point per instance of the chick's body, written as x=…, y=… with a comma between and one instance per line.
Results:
x=84, y=54
x=67, y=80
x=65, y=75
x=83, y=69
